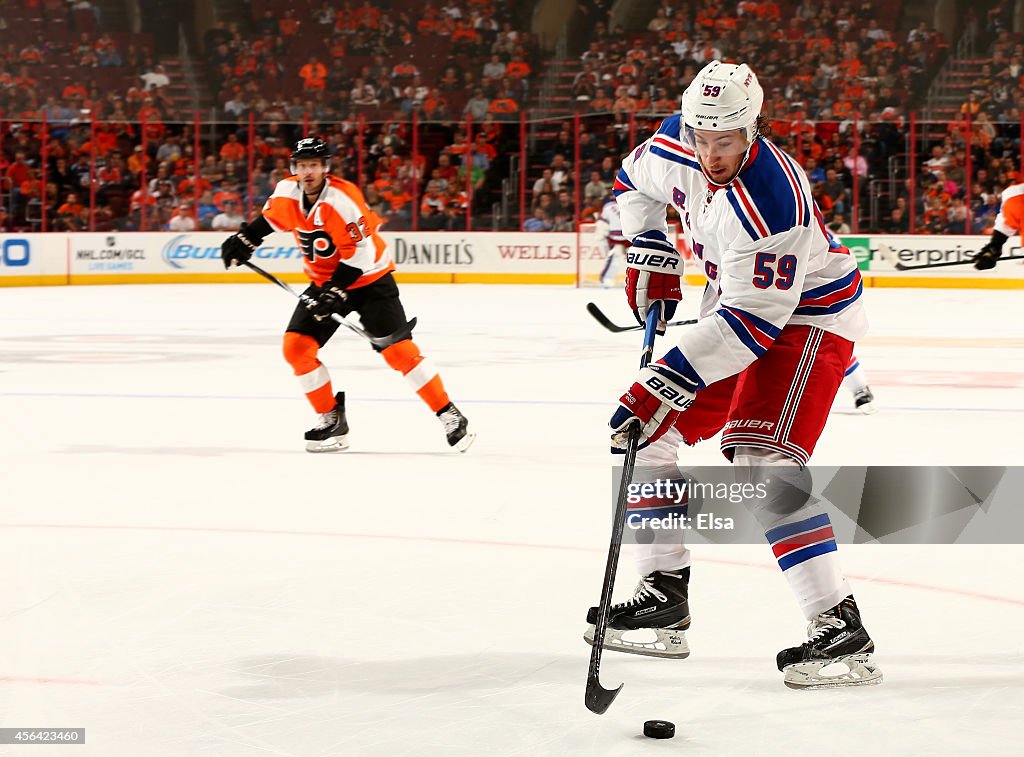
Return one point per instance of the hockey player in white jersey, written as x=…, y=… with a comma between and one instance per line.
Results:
x=609, y=227
x=777, y=325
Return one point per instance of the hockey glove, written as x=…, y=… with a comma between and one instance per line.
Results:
x=987, y=257
x=654, y=271
x=238, y=248
x=654, y=401
x=325, y=301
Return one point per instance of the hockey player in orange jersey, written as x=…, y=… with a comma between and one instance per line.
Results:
x=1009, y=221
x=350, y=267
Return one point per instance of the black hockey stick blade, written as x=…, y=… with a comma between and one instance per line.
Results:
x=601, y=318
x=901, y=267
x=403, y=332
x=598, y=698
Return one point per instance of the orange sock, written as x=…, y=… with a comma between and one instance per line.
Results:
x=300, y=352
x=405, y=358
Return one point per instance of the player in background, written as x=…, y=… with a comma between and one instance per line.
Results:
x=609, y=226
x=857, y=383
x=1009, y=220
x=350, y=267
x=777, y=325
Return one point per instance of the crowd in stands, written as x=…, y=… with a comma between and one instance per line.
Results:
x=839, y=81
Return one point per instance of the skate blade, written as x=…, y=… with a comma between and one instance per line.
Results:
x=465, y=442
x=668, y=643
x=868, y=408
x=852, y=670
x=333, y=444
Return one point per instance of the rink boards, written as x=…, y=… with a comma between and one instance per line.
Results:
x=443, y=257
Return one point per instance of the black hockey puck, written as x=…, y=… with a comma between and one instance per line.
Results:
x=659, y=729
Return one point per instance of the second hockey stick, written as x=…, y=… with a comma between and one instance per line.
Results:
x=890, y=255
x=598, y=698
x=404, y=332
x=605, y=321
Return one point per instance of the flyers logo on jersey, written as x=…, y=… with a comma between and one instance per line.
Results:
x=316, y=244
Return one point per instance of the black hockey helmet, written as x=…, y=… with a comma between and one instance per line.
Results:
x=310, y=148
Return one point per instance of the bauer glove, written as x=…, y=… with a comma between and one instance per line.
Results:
x=655, y=401
x=654, y=273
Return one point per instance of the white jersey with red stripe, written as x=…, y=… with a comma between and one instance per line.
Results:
x=769, y=259
x=611, y=216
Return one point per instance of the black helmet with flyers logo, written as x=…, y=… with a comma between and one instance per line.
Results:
x=310, y=148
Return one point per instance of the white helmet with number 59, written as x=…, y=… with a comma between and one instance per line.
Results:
x=722, y=97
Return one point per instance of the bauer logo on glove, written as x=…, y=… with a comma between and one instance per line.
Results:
x=669, y=394
x=654, y=401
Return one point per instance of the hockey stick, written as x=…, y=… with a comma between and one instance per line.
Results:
x=890, y=255
x=598, y=698
x=605, y=321
x=405, y=332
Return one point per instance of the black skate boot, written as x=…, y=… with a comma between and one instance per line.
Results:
x=331, y=434
x=456, y=428
x=863, y=401
x=659, y=605
x=837, y=652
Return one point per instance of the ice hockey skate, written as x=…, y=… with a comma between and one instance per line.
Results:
x=658, y=608
x=837, y=652
x=864, y=401
x=331, y=434
x=456, y=428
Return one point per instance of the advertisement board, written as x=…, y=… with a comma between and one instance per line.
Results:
x=948, y=259
x=446, y=257
x=33, y=259
x=106, y=258
x=419, y=256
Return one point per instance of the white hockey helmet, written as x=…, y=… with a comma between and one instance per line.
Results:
x=723, y=97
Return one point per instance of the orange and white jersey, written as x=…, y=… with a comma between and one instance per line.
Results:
x=339, y=228
x=1010, y=220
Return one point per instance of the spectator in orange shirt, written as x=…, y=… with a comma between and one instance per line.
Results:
x=135, y=162
x=842, y=110
x=435, y=106
x=18, y=171
x=289, y=25
x=433, y=198
x=232, y=149
x=404, y=70
x=503, y=106
x=69, y=214
x=367, y=15
x=464, y=36
x=313, y=75
x=397, y=200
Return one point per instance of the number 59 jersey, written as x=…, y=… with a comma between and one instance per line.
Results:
x=339, y=229
x=760, y=239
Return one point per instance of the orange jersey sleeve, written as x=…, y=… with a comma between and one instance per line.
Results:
x=339, y=228
x=1010, y=219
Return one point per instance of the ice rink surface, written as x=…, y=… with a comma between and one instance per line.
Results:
x=180, y=578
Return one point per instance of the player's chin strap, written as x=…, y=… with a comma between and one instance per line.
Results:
x=404, y=332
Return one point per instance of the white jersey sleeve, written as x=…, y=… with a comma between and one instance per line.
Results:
x=641, y=210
